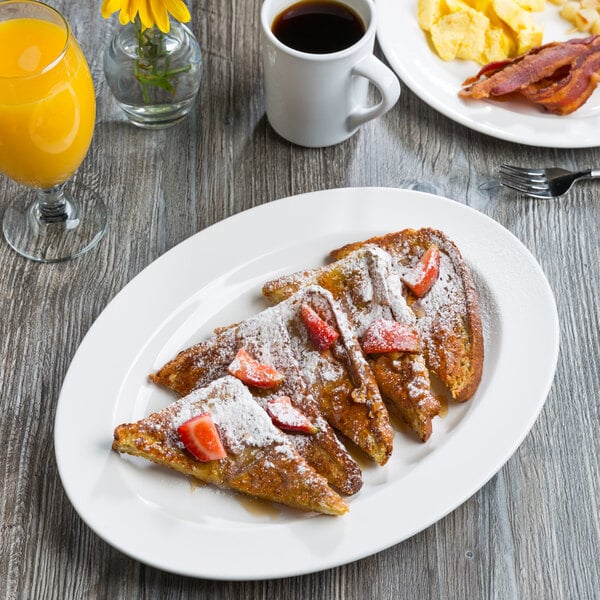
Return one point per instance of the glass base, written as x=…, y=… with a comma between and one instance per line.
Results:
x=157, y=117
x=62, y=236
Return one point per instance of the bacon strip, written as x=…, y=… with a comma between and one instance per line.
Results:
x=558, y=76
x=493, y=67
x=572, y=91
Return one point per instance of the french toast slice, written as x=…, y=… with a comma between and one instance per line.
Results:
x=335, y=386
x=339, y=378
x=260, y=461
x=202, y=363
x=448, y=315
x=367, y=287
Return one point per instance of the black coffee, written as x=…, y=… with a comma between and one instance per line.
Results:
x=318, y=26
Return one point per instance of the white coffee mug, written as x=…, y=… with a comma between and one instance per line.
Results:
x=319, y=100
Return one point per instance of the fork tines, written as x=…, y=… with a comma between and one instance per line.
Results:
x=532, y=182
x=509, y=170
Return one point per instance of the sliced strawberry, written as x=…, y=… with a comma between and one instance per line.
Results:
x=390, y=336
x=423, y=275
x=201, y=438
x=287, y=417
x=320, y=332
x=251, y=372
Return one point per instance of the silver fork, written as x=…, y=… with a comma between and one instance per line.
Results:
x=542, y=183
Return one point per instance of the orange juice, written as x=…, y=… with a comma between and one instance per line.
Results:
x=47, y=102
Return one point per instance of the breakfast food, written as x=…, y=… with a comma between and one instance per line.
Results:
x=369, y=290
x=503, y=36
x=480, y=30
x=583, y=14
x=252, y=456
x=335, y=384
x=260, y=399
x=447, y=316
x=559, y=76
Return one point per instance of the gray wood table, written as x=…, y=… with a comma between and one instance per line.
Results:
x=532, y=532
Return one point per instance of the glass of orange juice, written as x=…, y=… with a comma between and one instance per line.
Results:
x=47, y=114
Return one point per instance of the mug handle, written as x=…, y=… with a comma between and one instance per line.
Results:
x=384, y=80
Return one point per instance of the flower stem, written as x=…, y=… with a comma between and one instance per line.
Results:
x=152, y=67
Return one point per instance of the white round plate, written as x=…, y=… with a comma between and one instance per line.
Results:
x=214, y=278
x=437, y=83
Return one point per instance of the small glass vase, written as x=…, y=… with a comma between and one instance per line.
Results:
x=154, y=76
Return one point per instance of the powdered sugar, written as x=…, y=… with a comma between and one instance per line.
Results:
x=385, y=335
x=441, y=309
x=240, y=421
x=317, y=367
x=285, y=415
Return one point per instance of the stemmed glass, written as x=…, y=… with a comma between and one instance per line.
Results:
x=47, y=113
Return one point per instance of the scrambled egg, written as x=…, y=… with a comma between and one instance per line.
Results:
x=481, y=30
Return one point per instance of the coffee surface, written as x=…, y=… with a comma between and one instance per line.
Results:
x=318, y=26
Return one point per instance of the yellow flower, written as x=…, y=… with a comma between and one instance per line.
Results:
x=150, y=12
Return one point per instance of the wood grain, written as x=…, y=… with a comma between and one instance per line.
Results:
x=532, y=532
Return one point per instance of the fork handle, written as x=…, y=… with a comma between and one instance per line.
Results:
x=589, y=174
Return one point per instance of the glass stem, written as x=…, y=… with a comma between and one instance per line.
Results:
x=53, y=206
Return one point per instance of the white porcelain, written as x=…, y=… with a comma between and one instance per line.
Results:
x=319, y=100
x=156, y=516
x=437, y=82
